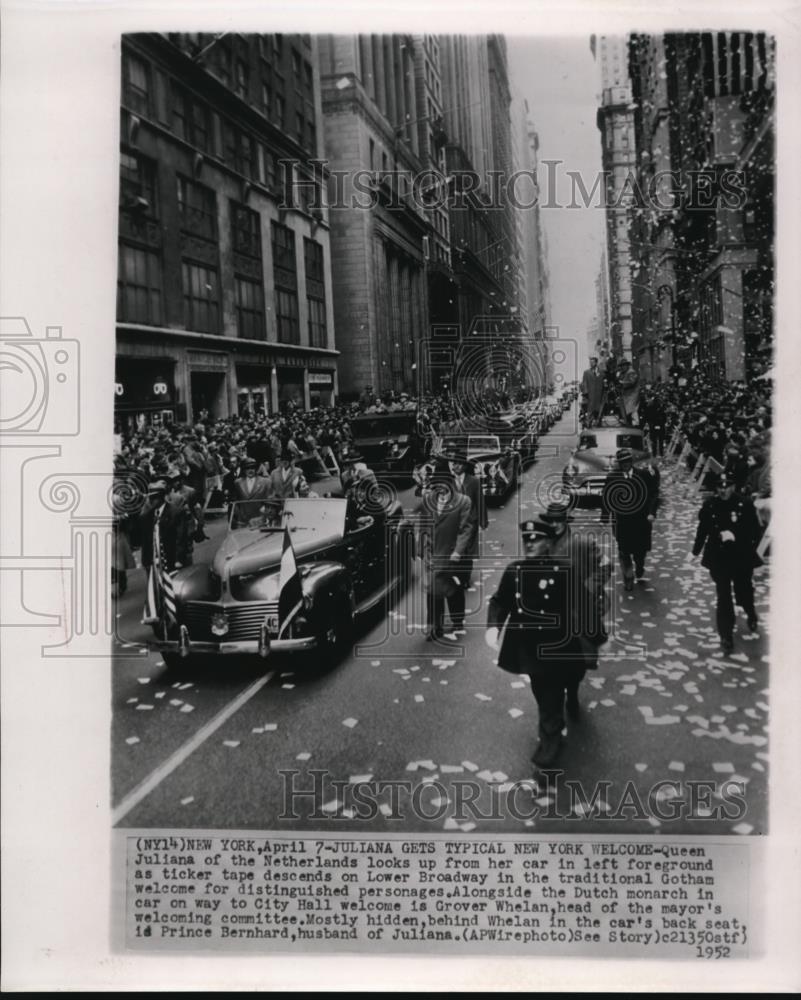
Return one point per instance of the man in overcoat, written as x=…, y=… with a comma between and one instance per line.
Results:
x=592, y=392
x=446, y=533
x=630, y=499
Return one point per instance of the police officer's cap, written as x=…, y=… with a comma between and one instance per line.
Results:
x=537, y=528
x=624, y=455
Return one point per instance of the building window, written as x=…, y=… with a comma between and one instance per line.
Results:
x=242, y=78
x=197, y=206
x=267, y=99
x=136, y=85
x=296, y=69
x=278, y=44
x=280, y=110
x=138, y=184
x=315, y=291
x=270, y=170
x=190, y=119
x=308, y=77
x=201, y=291
x=239, y=150
x=138, y=286
x=299, y=126
x=249, y=309
x=286, y=284
x=246, y=230
x=221, y=60
x=286, y=310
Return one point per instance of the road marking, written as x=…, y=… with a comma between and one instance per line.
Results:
x=155, y=778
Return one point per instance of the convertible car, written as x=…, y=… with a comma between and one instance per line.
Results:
x=347, y=565
x=585, y=474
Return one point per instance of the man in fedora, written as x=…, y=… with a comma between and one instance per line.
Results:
x=285, y=480
x=447, y=527
x=466, y=483
x=546, y=620
x=630, y=499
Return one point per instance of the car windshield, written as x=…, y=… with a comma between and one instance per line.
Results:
x=611, y=440
x=480, y=444
x=384, y=425
x=323, y=515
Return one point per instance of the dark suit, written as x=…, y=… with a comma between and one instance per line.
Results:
x=471, y=488
x=730, y=563
x=443, y=534
x=552, y=609
x=249, y=496
x=629, y=502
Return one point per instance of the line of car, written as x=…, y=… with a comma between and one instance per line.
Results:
x=231, y=606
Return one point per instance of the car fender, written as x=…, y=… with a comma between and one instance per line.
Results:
x=325, y=581
x=196, y=583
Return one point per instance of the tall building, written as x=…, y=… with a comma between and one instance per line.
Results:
x=616, y=124
x=378, y=223
x=703, y=246
x=224, y=287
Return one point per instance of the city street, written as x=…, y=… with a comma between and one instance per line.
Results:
x=664, y=712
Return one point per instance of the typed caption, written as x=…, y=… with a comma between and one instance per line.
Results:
x=538, y=896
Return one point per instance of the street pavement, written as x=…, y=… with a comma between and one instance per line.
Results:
x=672, y=736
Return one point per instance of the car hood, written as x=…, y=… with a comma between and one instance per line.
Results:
x=248, y=551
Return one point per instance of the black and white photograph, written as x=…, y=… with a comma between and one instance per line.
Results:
x=443, y=410
x=391, y=565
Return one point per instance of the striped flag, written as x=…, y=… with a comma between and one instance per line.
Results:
x=290, y=593
x=160, y=598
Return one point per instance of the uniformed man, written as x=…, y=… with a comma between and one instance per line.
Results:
x=549, y=611
x=728, y=533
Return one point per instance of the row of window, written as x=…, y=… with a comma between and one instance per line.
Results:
x=191, y=117
x=140, y=286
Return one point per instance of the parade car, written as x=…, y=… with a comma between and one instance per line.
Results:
x=517, y=431
x=347, y=566
x=584, y=476
x=497, y=468
x=389, y=442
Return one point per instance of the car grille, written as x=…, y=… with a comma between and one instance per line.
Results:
x=244, y=621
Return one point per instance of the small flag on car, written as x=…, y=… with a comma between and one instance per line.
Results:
x=290, y=595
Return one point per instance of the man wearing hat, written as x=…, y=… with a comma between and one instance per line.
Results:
x=447, y=528
x=549, y=609
x=728, y=533
x=249, y=493
x=285, y=480
x=166, y=535
x=630, y=499
x=464, y=482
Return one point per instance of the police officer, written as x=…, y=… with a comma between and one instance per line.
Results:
x=550, y=607
x=728, y=533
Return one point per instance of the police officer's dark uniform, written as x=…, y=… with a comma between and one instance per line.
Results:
x=728, y=533
x=551, y=603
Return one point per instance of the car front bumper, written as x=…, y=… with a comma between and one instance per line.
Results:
x=264, y=646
